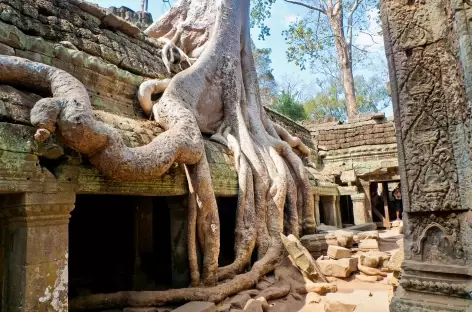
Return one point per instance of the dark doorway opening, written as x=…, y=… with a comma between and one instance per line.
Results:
x=227, y=211
x=347, y=212
x=119, y=243
x=101, y=247
x=322, y=213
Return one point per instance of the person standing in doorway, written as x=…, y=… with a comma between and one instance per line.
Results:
x=397, y=195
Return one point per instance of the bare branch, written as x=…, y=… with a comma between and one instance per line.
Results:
x=370, y=35
x=360, y=49
x=321, y=10
x=349, y=23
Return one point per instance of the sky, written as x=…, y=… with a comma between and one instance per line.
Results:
x=282, y=14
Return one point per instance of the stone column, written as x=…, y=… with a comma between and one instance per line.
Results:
x=365, y=186
x=178, y=232
x=317, y=209
x=358, y=207
x=337, y=212
x=385, y=202
x=433, y=127
x=36, y=251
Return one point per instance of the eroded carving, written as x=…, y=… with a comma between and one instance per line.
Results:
x=436, y=239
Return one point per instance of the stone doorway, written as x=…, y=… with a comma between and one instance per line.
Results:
x=119, y=243
x=101, y=246
x=227, y=212
x=347, y=212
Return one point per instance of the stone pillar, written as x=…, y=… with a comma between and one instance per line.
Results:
x=178, y=232
x=36, y=251
x=433, y=127
x=365, y=187
x=358, y=207
x=317, y=209
x=385, y=202
x=337, y=212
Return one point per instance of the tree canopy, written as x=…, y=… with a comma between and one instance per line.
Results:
x=371, y=96
x=323, y=39
x=288, y=105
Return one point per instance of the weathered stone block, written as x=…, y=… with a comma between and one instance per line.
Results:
x=338, y=252
x=368, y=244
x=314, y=242
x=344, y=238
x=338, y=268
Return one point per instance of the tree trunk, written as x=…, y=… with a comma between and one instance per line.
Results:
x=345, y=64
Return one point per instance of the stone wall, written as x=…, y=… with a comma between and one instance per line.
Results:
x=113, y=56
x=365, y=131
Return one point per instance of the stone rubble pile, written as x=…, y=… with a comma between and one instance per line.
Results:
x=349, y=255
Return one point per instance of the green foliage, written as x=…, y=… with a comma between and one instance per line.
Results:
x=260, y=12
x=371, y=96
x=288, y=105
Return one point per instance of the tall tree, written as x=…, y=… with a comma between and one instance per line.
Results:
x=372, y=96
x=329, y=23
x=267, y=83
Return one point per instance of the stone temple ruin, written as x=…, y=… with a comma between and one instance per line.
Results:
x=69, y=232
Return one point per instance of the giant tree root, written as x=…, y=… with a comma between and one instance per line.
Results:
x=158, y=298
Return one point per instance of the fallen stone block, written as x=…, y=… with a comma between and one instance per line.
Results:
x=197, y=306
x=314, y=242
x=371, y=262
x=338, y=268
x=367, y=278
x=257, y=305
x=366, y=235
x=239, y=301
x=371, y=271
x=302, y=258
x=344, y=238
x=320, y=288
x=331, y=239
x=338, y=252
x=369, y=245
